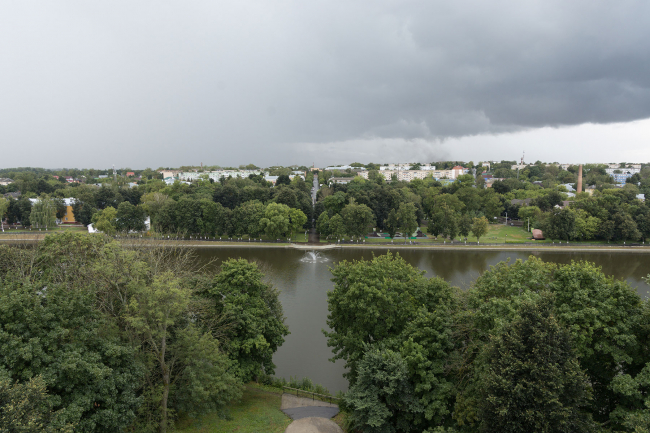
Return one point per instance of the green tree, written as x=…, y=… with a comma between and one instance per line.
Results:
x=392, y=223
x=492, y=205
x=25, y=407
x=60, y=206
x=337, y=227
x=386, y=305
x=297, y=220
x=479, y=227
x=560, y=224
x=130, y=218
x=464, y=225
x=323, y=224
x=106, y=221
x=603, y=316
x=248, y=216
x=108, y=328
x=635, y=414
x=642, y=221
x=283, y=179
x=357, y=218
x=180, y=355
x=383, y=398
x=626, y=228
x=534, y=381
x=276, y=220
x=334, y=203
x=4, y=206
x=83, y=210
x=153, y=203
x=258, y=328
x=375, y=300
x=43, y=214
x=530, y=214
x=89, y=372
x=407, y=219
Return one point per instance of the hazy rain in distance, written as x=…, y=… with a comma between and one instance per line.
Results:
x=91, y=84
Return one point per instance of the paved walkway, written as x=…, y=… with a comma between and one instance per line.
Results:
x=311, y=416
x=313, y=425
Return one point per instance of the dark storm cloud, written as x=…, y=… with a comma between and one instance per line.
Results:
x=170, y=83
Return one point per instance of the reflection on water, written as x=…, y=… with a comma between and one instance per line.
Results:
x=303, y=281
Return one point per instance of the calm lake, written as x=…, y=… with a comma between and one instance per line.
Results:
x=303, y=286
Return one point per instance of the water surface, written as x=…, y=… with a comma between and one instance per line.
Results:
x=304, y=284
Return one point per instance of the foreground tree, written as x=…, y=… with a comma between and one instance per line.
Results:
x=181, y=356
x=257, y=322
x=121, y=336
x=24, y=407
x=49, y=330
x=534, y=381
x=385, y=305
x=383, y=397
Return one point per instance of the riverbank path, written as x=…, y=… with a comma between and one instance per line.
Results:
x=310, y=416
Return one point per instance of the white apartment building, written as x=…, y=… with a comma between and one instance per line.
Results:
x=627, y=170
x=409, y=175
x=216, y=175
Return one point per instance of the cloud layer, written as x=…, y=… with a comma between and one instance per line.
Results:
x=230, y=82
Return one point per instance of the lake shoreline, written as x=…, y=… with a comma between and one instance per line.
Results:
x=324, y=247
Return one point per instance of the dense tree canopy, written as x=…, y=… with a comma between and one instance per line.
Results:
x=130, y=337
x=531, y=346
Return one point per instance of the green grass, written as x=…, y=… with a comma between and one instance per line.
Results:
x=258, y=411
x=57, y=229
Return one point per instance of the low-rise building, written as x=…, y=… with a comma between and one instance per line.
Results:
x=6, y=181
x=274, y=179
x=341, y=180
x=620, y=175
x=489, y=182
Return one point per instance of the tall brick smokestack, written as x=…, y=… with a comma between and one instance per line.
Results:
x=579, y=189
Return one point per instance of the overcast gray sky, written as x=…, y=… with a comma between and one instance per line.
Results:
x=170, y=83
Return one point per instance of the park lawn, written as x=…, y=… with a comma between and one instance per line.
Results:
x=258, y=411
x=58, y=229
x=496, y=233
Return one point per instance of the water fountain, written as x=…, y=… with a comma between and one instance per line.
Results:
x=313, y=257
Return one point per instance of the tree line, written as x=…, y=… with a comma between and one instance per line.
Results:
x=235, y=207
x=99, y=337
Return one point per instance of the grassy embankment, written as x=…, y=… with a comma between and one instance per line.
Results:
x=257, y=411
x=496, y=234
